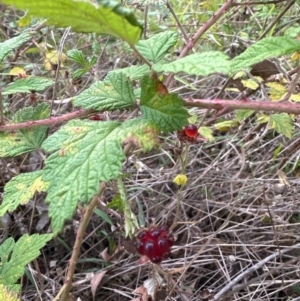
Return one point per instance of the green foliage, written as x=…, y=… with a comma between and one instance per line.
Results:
x=115, y=92
x=16, y=255
x=25, y=140
x=78, y=57
x=20, y=189
x=26, y=85
x=164, y=109
x=86, y=153
x=133, y=72
x=263, y=49
x=203, y=64
x=7, y=295
x=156, y=47
x=107, y=16
x=243, y=114
x=282, y=123
x=11, y=44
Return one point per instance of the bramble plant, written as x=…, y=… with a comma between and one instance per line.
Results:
x=86, y=151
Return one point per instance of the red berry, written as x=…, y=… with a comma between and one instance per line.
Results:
x=191, y=130
x=155, y=243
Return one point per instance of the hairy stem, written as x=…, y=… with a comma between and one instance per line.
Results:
x=79, y=238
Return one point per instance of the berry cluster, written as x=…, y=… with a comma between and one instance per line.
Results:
x=155, y=243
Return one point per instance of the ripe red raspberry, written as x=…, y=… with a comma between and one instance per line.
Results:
x=155, y=243
x=191, y=130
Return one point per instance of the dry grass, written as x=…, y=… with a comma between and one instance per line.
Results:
x=238, y=229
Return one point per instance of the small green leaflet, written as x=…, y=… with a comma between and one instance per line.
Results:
x=23, y=141
x=86, y=153
x=20, y=189
x=242, y=114
x=263, y=49
x=282, y=123
x=156, y=47
x=164, y=109
x=107, y=16
x=115, y=92
x=14, y=256
x=202, y=64
x=133, y=72
x=11, y=44
x=26, y=85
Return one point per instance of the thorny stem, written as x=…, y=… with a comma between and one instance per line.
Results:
x=260, y=105
x=43, y=122
x=199, y=33
x=257, y=3
x=218, y=104
x=79, y=238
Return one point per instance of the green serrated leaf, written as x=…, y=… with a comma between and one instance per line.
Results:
x=133, y=72
x=11, y=44
x=79, y=72
x=243, y=114
x=282, y=123
x=23, y=141
x=26, y=85
x=156, y=47
x=23, y=252
x=202, y=64
x=87, y=153
x=20, y=189
x=115, y=92
x=263, y=49
x=164, y=109
x=207, y=133
x=77, y=56
x=84, y=16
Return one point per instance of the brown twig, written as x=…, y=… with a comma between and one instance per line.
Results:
x=79, y=238
x=257, y=2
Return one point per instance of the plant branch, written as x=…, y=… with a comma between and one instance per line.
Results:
x=259, y=105
x=199, y=33
x=293, y=85
x=79, y=238
x=1, y=109
x=257, y=2
x=49, y=121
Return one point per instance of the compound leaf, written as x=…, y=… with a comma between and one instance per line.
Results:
x=282, y=123
x=20, y=189
x=26, y=140
x=263, y=49
x=86, y=153
x=11, y=44
x=155, y=48
x=107, y=16
x=164, y=109
x=202, y=64
x=26, y=85
x=16, y=255
x=115, y=92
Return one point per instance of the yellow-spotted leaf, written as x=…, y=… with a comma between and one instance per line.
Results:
x=276, y=91
x=20, y=189
x=282, y=123
x=207, y=133
x=52, y=58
